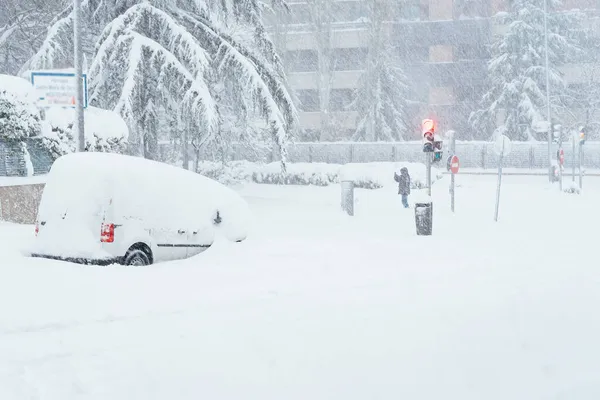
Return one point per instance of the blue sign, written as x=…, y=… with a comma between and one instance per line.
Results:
x=58, y=89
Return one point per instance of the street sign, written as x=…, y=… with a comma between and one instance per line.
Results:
x=454, y=164
x=58, y=89
x=502, y=145
x=541, y=126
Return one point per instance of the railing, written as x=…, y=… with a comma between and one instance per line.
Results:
x=528, y=155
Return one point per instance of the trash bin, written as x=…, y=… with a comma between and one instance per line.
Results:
x=424, y=218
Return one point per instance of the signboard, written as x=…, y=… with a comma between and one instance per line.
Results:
x=541, y=126
x=454, y=164
x=58, y=89
x=502, y=145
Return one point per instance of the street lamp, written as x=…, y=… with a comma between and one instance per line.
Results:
x=548, y=113
x=78, y=51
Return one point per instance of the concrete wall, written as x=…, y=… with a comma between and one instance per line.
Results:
x=19, y=203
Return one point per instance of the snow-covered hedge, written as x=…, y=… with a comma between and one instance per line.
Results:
x=19, y=117
x=105, y=131
x=364, y=175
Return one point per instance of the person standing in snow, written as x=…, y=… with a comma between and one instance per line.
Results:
x=403, y=185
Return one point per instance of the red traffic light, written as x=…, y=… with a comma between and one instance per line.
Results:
x=427, y=129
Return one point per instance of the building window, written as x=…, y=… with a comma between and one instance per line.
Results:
x=477, y=51
x=467, y=9
x=301, y=61
x=350, y=11
x=413, y=10
x=340, y=99
x=410, y=55
x=350, y=59
x=299, y=14
x=469, y=93
x=309, y=100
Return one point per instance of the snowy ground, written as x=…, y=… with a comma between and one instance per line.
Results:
x=318, y=305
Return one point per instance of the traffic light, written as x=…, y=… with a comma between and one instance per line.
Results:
x=428, y=132
x=582, y=135
x=437, y=148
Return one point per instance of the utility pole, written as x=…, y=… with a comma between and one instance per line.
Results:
x=79, y=119
x=548, y=112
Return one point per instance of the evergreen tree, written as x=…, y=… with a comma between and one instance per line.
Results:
x=381, y=96
x=151, y=55
x=517, y=95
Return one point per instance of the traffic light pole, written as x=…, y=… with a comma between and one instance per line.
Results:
x=580, y=169
x=428, y=165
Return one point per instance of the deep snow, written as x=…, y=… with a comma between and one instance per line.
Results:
x=320, y=305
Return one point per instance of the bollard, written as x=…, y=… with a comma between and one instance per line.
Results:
x=348, y=197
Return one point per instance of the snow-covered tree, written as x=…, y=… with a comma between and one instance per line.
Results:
x=151, y=55
x=516, y=97
x=22, y=23
x=382, y=93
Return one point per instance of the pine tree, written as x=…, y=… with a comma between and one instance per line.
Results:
x=516, y=98
x=162, y=53
x=381, y=96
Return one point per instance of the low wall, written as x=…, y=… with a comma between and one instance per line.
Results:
x=20, y=203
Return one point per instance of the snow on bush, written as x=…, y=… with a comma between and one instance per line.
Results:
x=105, y=131
x=364, y=175
x=19, y=117
x=572, y=188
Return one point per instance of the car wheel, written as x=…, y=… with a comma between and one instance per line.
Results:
x=136, y=257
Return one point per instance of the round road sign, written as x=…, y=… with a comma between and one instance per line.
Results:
x=454, y=164
x=502, y=145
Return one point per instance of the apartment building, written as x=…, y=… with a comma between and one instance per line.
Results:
x=442, y=45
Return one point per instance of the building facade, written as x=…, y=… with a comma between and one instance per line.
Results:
x=442, y=46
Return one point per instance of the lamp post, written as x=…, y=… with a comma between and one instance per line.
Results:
x=78, y=51
x=548, y=112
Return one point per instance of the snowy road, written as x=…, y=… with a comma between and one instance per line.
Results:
x=318, y=305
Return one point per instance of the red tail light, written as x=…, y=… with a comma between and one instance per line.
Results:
x=107, y=233
x=37, y=228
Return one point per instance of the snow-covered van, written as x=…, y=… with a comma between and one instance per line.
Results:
x=100, y=208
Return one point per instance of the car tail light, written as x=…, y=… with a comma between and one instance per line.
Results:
x=107, y=233
x=37, y=228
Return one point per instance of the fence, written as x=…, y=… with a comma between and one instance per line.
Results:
x=528, y=155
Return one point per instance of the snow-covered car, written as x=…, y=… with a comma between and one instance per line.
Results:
x=101, y=208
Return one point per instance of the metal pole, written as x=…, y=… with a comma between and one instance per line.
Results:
x=548, y=112
x=452, y=183
x=580, y=165
x=78, y=50
x=560, y=166
x=428, y=164
x=574, y=150
x=500, y=159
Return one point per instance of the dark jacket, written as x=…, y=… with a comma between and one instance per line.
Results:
x=403, y=181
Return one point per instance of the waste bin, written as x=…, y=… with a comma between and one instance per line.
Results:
x=424, y=218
